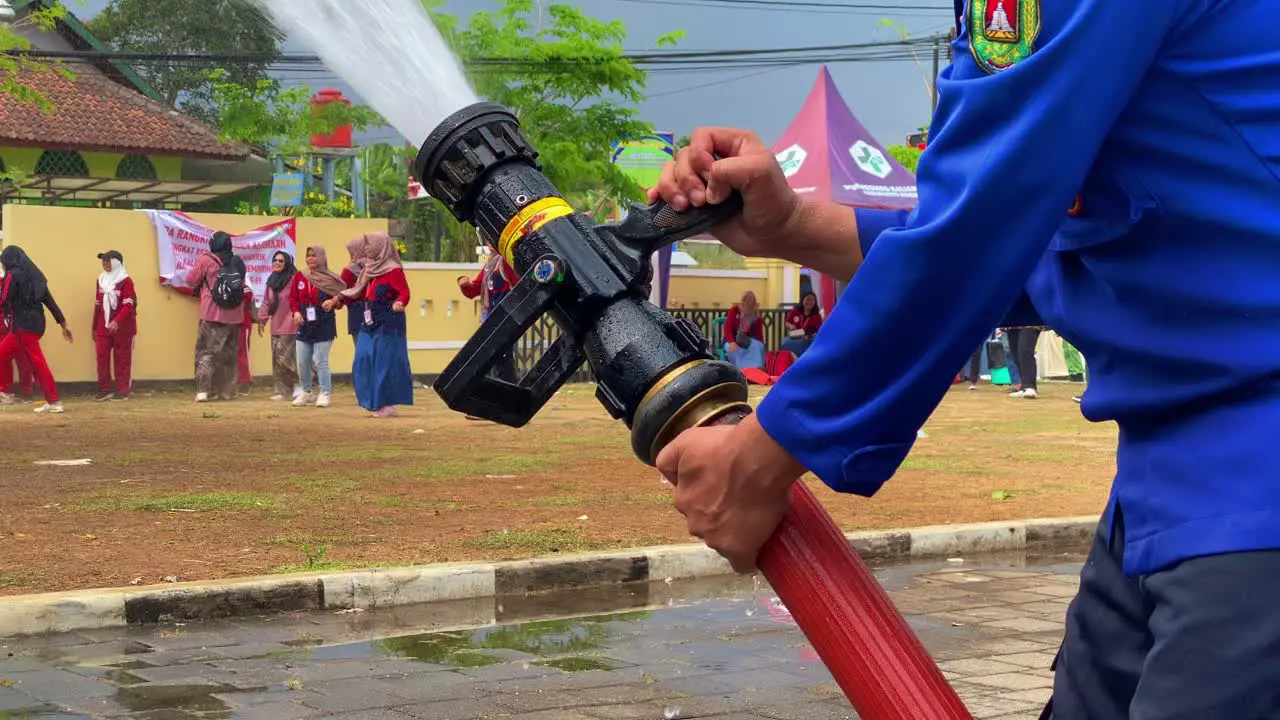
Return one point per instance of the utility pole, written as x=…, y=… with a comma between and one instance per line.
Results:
x=933, y=84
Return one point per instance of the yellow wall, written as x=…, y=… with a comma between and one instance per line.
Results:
x=716, y=289
x=101, y=164
x=65, y=241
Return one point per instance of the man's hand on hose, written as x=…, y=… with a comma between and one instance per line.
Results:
x=732, y=484
x=774, y=221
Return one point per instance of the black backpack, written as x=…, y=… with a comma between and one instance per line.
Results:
x=228, y=285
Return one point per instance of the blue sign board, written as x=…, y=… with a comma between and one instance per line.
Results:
x=286, y=189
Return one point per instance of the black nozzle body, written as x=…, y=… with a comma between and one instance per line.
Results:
x=467, y=146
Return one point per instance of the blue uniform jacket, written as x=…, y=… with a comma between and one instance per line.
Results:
x=1164, y=117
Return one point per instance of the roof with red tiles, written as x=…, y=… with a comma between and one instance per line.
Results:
x=93, y=112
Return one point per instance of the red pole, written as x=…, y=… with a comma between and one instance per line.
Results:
x=860, y=636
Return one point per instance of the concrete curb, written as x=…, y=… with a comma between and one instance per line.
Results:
x=392, y=587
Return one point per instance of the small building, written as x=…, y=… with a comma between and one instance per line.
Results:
x=111, y=142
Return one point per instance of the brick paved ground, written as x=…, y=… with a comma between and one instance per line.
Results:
x=714, y=650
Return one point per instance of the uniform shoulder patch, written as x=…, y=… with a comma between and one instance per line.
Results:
x=1002, y=32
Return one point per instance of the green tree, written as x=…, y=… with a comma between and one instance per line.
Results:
x=191, y=26
x=14, y=62
x=908, y=156
x=565, y=75
x=280, y=120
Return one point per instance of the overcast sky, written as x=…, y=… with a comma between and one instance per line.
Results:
x=889, y=97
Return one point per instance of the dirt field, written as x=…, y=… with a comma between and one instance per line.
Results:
x=183, y=491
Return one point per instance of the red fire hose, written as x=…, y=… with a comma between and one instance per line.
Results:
x=860, y=636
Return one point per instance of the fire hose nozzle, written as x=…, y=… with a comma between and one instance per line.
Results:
x=657, y=374
x=653, y=371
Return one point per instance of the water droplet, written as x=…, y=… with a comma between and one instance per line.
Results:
x=671, y=713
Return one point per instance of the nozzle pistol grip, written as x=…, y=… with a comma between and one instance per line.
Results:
x=467, y=386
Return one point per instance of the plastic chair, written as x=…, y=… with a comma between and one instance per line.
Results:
x=717, y=337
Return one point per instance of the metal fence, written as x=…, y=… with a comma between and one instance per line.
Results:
x=709, y=323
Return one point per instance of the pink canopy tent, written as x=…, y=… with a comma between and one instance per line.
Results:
x=828, y=155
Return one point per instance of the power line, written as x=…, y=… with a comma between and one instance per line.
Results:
x=657, y=57
x=819, y=8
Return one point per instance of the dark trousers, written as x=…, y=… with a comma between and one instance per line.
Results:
x=1022, y=343
x=1197, y=641
x=973, y=371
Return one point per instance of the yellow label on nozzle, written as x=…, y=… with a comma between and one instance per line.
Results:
x=533, y=216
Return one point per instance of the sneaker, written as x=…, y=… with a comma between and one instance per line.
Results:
x=6, y=399
x=102, y=397
x=305, y=398
x=277, y=398
x=323, y=400
x=386, y=412
x=973, y=386
x=1017, y=394
x=202, y=397
x=1030, y=394
x=1076, y=398
x=117, y=397
x=297, y=391
x=49, y=408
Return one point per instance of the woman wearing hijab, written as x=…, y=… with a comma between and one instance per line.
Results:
x=217, y=340
x=381, y=368
x=115, y=326
x=744, y=333
x=24, y=294
x=26, y=381
x=312, y=289
x=276, y=312
x=350, y=276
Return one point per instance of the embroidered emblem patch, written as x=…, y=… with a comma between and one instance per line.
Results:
x=1002, y=32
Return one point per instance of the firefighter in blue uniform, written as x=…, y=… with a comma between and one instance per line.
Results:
x=1112, y=166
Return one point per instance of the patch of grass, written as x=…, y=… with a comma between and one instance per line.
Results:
x=555, y=501
x=126, y=459
x=327, y=566
x=357, y=453
x=660, y=499
x=479, y=466
x=12, y=579
x=540, y=541
x=585, y=439
x=391, y=502
x=300, y=540
x=200, y=502
x=324, y=486
x=942, y=463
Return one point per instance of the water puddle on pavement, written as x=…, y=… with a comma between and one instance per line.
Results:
x=680, y=649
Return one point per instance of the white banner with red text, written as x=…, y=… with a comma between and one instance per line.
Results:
x=182, y=240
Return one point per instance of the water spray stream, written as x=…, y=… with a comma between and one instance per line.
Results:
x=389, y=51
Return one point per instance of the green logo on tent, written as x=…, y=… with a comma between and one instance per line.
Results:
x=870, y=159
x=791, y=159
x=1002, y=32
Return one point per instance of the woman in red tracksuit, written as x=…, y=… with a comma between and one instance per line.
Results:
x=114, y=327
x=24, y=294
